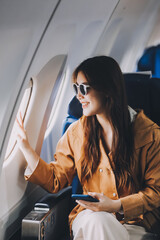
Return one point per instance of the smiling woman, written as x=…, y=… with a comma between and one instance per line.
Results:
x=106, y=147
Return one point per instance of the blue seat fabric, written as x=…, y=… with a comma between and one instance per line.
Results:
x=74, y=113
x=150, y=61
x=143, y=92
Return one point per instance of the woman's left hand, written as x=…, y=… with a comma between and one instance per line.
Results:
x=105, y=204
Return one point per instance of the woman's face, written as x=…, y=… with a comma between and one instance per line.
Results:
x=93, y=103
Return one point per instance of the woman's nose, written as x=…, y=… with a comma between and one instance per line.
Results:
x=79, y=95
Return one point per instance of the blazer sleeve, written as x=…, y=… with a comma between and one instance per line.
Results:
x=149, y=197
x=59, y=173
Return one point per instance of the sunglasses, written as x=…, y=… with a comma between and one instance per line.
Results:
x=82, y=88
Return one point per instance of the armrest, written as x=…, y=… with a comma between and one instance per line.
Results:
x=49, y=217
x=51, y=199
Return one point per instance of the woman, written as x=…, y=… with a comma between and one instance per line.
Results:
x=114, y=150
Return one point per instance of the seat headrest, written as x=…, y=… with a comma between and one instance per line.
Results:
x=138, y=91
x=155, y=99
x=75, y=108
x=143, y=92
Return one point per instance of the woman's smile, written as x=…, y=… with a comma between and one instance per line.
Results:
x=85, y=104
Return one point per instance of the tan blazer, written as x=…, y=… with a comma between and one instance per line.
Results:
x=142, y=207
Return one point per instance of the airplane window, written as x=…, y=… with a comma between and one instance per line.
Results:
x=23, y=109
x=55, y=106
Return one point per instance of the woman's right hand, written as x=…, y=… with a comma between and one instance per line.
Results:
x=21, y=134
x=29, y=153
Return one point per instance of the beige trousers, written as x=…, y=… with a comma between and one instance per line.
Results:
x=89, y=225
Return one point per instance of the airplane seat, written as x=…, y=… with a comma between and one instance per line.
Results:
x=143, y=92
x=150, y=61
x=74, y=113
x=138, y=91
x=155, y=99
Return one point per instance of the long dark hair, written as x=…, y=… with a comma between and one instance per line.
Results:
x=104, y=75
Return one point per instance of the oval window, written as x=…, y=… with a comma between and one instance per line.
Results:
x=23, y=109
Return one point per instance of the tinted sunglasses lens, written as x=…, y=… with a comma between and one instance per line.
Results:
x=75, y=88
x=82, y=89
